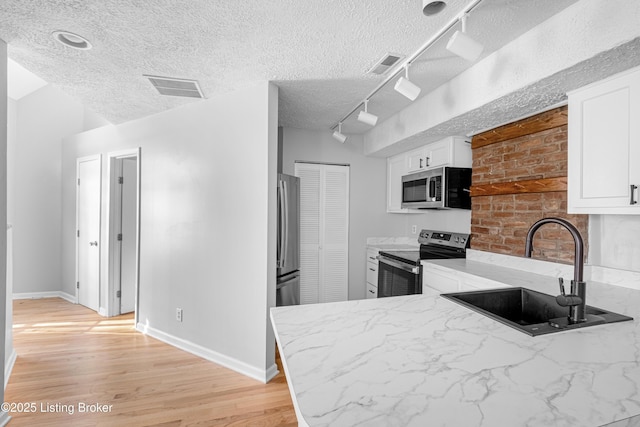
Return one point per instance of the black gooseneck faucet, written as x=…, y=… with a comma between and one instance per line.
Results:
x=577, y=300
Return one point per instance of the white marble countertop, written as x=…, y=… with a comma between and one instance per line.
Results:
x=421, y=360
x=394, y=247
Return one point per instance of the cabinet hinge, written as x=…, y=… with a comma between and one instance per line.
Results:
x=78, y=181
x=78, y=233
x=120, y=180
x=118, y=294
x=119, y=237
x=77, y=285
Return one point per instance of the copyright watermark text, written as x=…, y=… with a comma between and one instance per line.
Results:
x=56, y=407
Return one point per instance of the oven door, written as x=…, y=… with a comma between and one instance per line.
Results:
x=397, y=278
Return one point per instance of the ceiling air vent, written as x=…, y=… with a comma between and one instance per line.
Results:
x=176, y=87
x=385, y=64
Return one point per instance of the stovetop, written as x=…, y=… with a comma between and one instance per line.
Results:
x=433, y=245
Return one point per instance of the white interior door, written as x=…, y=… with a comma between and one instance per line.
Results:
x=335, y=237
x=324, y=232
x=128, y=232
x=88, y=231
x=309, y=232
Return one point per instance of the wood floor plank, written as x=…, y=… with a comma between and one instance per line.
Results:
x=68, y=355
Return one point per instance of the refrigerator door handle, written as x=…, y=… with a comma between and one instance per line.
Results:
x=280, y=261
x=285, y=235
x=290, y=279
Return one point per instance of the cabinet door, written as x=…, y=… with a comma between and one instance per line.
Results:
x=417, y=160
x=439, y=153
x=437, y=281
x=604, y=146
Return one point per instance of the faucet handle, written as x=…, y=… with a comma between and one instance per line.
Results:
x=561, y=283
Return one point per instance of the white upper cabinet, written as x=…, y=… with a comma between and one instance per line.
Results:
x=449, y=151
x=452, y=151
x=604, y=146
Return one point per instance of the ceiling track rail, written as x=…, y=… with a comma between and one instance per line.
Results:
x=400, y=67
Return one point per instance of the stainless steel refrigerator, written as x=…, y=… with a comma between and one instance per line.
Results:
x=288, y=251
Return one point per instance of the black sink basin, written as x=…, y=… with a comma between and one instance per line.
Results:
x=529, y=311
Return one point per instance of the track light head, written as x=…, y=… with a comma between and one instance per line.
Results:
x=405, y=87
x=366, y=117
x=338, y=135
x=464, y=46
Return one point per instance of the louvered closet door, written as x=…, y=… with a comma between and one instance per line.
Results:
x=324, y=232
x=309, y=233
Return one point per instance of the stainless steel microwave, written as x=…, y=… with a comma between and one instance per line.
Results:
x=439, y=188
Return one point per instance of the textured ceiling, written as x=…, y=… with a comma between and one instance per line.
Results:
x=316, y=52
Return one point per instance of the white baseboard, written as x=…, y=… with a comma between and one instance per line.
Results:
x=50, y=294
x=8, y=367
x=243, y=368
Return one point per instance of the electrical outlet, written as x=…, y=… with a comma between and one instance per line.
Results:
x=179, y=314
x=414, y=229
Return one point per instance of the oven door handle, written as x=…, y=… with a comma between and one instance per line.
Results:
x=406, y=267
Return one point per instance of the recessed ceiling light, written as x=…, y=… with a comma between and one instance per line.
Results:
x=430, y=8
x=71, y=40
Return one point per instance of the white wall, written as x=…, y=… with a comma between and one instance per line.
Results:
x=37, y=124
x=367, y=204
x=43, y=118
x=208, y=173
x=614, y=242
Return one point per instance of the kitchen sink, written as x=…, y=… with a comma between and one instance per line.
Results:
x=531, y=312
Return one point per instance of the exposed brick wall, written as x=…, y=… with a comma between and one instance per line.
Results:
x=499, y=223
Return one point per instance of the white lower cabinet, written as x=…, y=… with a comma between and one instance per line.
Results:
x=444, y=280
x=439, y=282
x=372, y=273
x=372, y=291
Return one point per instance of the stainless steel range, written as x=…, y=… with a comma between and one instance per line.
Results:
x=400, y=272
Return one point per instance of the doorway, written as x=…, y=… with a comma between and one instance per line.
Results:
x=124, y=178
x=88, y=196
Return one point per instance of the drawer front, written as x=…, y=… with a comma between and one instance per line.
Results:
x=372, y=274
x=372, y=291
x=372, y=255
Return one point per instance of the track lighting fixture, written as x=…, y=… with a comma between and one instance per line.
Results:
x=405, y=87
x=463, y=45
x=339, y=135
x=366, y=117
x=460, y=44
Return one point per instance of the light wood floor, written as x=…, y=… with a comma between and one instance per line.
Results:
x=69, y=355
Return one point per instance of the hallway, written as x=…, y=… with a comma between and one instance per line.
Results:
x=77, y=368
